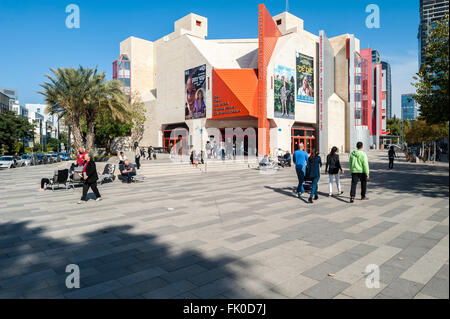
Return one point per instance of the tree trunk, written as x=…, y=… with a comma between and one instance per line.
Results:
x=76, y=132
x=108, y=146
x=90, y=136
x=434, y=153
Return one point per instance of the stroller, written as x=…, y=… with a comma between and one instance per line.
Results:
x=307, y=181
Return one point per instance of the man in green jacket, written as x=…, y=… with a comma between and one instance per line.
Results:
x=359, y=167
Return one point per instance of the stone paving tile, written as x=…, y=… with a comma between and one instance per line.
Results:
x=326, y=289
x=321, y=271
x=402, y=289
x=436, y=287
x=93, y=291
x=140, y=288
x=239, y=238
x=170, y=290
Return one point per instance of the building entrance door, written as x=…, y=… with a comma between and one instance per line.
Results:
x=305, y=136
x=178, y=144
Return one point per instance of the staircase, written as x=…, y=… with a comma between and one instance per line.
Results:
x=168, y=168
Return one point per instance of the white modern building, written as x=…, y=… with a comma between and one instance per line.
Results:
x=288, y=86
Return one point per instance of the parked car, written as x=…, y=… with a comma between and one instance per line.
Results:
x=29, y=159
x=42, y=158
x=64, y=156
x=50, y=158
x=55, y=156
x=6, y=162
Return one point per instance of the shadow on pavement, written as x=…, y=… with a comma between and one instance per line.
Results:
x=113, y=262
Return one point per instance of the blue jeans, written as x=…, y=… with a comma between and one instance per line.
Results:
x=127, y=176
x=314, y=186
x=301, y=177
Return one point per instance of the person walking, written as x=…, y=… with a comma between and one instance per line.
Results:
x=137, y=155
x=149, y=151
x=90, y=179
x=391, y=155
x=333, y=168
x=359, y=167
x=438, y=153
x=208, y=148
x=315, y=163
x=300, y=160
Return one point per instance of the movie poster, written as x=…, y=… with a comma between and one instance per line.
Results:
x=305, y=78
x=195, y=88
x=284, y=92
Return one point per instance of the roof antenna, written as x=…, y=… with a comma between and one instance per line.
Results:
x=287, y=5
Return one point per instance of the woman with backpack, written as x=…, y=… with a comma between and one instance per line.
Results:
x=314, y=164
x=333, y=167
x=391, y=155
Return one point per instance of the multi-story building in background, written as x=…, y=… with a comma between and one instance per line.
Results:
x=278, y=85
x=430, y=12
x=4, y=103
x=46, y=125
x=376, y=58
x=387, y=87
x=409, y=107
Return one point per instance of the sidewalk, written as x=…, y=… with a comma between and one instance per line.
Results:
x=228, y=234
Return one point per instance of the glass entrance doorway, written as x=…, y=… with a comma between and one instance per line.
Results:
x=303, y=135
x=175, y=145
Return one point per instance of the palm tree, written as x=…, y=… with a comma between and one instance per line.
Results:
x=78, y=95
x=104, y=97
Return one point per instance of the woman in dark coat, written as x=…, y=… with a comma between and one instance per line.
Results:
x=90, y=179
x=333, y=167
x=314, y=162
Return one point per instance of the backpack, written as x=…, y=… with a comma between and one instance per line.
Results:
x=332, y=164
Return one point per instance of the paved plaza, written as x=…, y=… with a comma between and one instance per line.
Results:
x=227, y=234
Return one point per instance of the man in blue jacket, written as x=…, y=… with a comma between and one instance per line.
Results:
x=300, y=160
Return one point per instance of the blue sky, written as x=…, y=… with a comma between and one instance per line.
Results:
x=35, y=38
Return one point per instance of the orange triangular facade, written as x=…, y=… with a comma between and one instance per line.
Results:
x=235, y=93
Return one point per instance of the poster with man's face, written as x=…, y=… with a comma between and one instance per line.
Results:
x=284, y=92
x=305, y=78
x=195, y=88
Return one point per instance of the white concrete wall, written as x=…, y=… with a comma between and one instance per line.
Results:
x=174, y=57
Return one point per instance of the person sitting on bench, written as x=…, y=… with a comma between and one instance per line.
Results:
x=128, y=171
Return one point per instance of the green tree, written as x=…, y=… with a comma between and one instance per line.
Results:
x=432, y=80
x=138, y=118
x=421, y=132
x=104, y=97
x=394, y=124
x=13, y=128
x=78, y=96
x=106, y=129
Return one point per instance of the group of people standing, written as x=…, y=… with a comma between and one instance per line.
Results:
x=139, y=153
x=309, y=166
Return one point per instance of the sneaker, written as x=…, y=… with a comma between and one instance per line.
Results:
x=310, y=200
x=98, y=199
x=352, y=200
x=364, y=198
x=330, y=194
x=340, y=193
x=316, y=197
x=81, y=201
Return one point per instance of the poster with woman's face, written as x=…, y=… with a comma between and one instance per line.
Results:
x=195, y=88
x=305, y=78
x=284, y=92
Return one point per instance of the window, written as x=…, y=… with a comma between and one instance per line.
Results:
x=361, y=92
x=198, y=23
x=278, y=21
